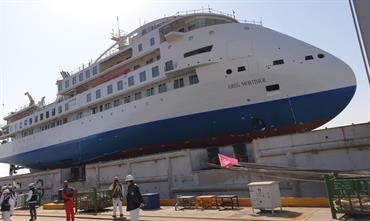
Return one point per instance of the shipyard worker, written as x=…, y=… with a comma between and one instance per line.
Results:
x=68, y=194
x=117, y=196
x=13, y=194
x=3, y=188
x=134, y=198
x=32, y=198
x=7, y=205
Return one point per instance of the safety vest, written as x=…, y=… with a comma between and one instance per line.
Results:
x=34, y=196
x=117, y=190
x=5, y=205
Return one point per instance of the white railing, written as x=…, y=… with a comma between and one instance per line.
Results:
x=81, y=67
x=18, y=109
x=213, y=11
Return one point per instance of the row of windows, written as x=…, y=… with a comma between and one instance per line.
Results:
x=86, y=75
x=39, y=117
x=193, y=79
x=178, y=83
x=130, y=82
x=45, y=126
x=155, y=73
x=81, y=76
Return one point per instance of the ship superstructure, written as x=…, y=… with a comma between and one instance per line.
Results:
x=191, y=80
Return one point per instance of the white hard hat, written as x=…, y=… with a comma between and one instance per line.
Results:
x=31, y=185
x=4, y=187
x=6, y=191
x=129, y=178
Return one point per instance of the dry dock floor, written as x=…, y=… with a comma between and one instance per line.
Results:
x=169, y=213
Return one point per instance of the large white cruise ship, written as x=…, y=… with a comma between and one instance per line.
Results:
x=190, y=80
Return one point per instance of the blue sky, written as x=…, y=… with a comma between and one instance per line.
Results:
x=40, y=38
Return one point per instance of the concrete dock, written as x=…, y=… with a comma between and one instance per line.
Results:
x=169, y=213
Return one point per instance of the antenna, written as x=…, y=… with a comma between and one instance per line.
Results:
x=119, y=32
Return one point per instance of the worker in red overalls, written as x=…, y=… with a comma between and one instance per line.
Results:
x=68, y=195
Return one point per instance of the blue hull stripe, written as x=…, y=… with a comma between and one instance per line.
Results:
x=322, y=106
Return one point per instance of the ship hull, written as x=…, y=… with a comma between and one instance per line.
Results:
x=211, y=128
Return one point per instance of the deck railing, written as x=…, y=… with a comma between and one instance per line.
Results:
x=213, y=11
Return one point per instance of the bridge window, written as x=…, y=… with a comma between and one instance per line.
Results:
x=152, y=42
x=308, y=57
x=193, y=79
x=168, y=65
x=80, y=76
x=130, y=81
x=95, y=70
x=137, y=95
x=278, y=62
x=119, y=85
x=117, y=102
x=107, y=106
x=149, y=92
x=273, y=87
x=97, y=94
x=142, y=76
x=94, y=110
x=198, y=51
x=88, y=97
x=60, y=86
x=66, y=84
x=162, y=88
x=241, y=68
x=178, y=83
x=74, y=80
x=155, y=71
x=109, y=89
x=127, y=99
x=87, y=74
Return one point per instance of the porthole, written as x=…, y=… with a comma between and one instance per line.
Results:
x=211, y=32
x=169, y=46
x=320, y=56
x=229, y=71
x=246, y=28
x=191, y=38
